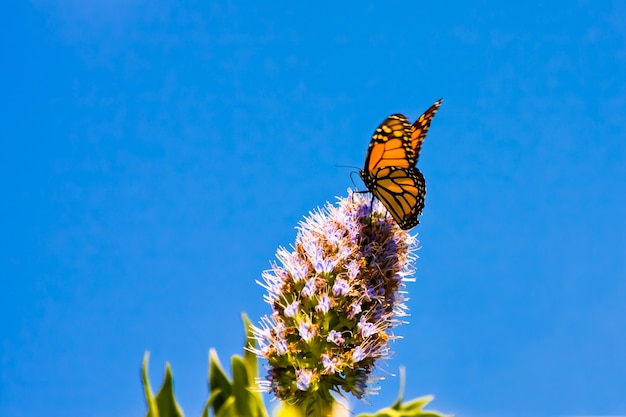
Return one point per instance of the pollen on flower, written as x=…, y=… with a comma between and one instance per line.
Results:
x=336, y=297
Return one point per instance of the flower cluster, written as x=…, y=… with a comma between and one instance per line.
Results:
x=335, y=299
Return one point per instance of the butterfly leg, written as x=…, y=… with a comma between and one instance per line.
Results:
x=371, y=208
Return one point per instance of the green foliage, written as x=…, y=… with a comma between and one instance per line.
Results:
x=413, y=408
x=237, y=397
x=227, y=397
x=164, y=404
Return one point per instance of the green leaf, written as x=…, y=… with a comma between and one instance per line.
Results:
x=220, y=388
x=236, y=397
x=398, y=402
x=413, y=408
x=417, y=404
x=240, y=372
x=205, y=410
x=164, y=404
x=153, y=410
x=228, y=410
x=227, y=398
x=252, y=362
x=241, y=382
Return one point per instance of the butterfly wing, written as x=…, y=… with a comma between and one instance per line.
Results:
x=401, y=190
x=390, y=145
x=420, y=128
x=390, y=173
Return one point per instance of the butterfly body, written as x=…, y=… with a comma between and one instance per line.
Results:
x=390, y=173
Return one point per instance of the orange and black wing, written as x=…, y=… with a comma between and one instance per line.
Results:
x=390, y=145
x=420, y=128
x=401, y=190
x=390, y=173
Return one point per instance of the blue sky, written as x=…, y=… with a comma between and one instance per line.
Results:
x=155, y=155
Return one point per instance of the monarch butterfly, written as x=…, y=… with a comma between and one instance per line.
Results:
x=390, y=173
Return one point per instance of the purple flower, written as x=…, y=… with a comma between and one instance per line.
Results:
x=292, y=309
x=344, y=252
x=335, y=337
x=341, y=287
x=366, y=329
x=304, y=379
x=309, y=288
x=324, y=265
x=329, y=364
x=353, y=269
x=306, y=331
x=371, y=293
x=358, y=354
x=299, y=272
x=281, y=346
x=324, y=304
x=355, y=308
x=340, y=291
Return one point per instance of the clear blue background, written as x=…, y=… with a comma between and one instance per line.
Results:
x=155, y=154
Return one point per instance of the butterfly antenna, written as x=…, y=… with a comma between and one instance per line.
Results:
x=346, y=166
